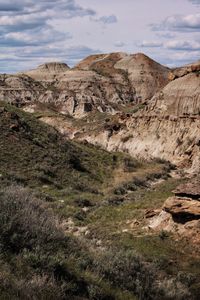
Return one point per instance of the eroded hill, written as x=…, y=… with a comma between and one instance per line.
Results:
x=99, y=83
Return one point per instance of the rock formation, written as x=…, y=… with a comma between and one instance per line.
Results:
x=180, y=214
x=99, y=83
x=167, y=127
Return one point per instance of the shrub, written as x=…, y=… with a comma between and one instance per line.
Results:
x=126, y=138
x=97, y=293
x=140, y=182
x=38, y=287
x=130, y=164
x=120, y=191
x=83, y=202
x=163, y=235
x=125, y=269
x=26, y=222
x=172, y=289
x=129, y=271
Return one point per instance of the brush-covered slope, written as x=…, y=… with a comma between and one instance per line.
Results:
x=35, y=154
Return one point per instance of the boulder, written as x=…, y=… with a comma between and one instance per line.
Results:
x=182, y=208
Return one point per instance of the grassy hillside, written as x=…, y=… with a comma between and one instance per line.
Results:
x=33, y=154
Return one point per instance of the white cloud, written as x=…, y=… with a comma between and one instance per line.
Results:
x=196, y=2
x=119, y=44
x=108, y=19
x=183, y=45
x=150, y=44
x=179, y=23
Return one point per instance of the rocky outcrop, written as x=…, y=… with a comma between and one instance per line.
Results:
x=181, y=97
x=182, y=209
x=145, y=75
x=185, y=205
x=19, y=89
x=181, y=214
x=182, y=71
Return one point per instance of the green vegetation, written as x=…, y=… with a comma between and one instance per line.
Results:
x=72, y=219
x=33, y=154
x=40, y=260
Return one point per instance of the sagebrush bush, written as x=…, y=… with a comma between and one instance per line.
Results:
x=38, y=287
x=26, y=222
x=36, y=250
x=129, y=271
x=173, y=289
x=126, y=269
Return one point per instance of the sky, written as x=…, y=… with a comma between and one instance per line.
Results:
x=33, y=32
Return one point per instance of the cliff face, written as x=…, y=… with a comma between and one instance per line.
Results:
x=168, y=127
x=19, y=89
x=181, y=97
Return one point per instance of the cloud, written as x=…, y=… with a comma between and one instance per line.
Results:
x=15, y=6
x=69, y=7
x=28, y=33
x=165, y=35
x=197, y=2
x=179, y=23
x=28, y=22
x=183, y=45
x=69, y=54
x=33, y=31
x=172, y=45
x=150, y=44
x=21, y=59
x=7, y=6
x=35, y=37
x=181, y=58
x=26, y=14
x=107, y=19
x=23, y=22
x=119, y=44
